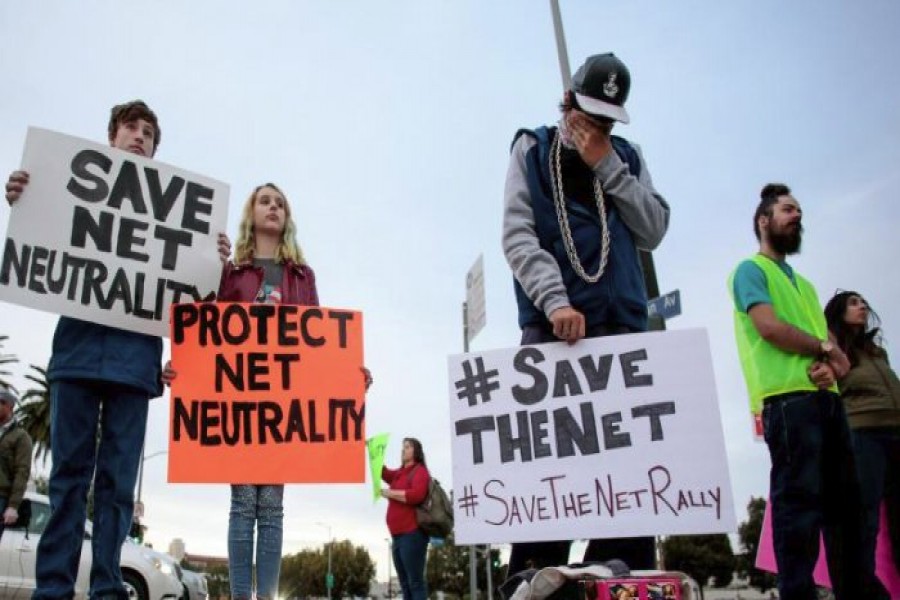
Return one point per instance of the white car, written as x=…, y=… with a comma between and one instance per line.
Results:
x=148, y=575
x=194, y=585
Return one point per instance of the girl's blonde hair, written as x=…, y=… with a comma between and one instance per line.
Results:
x=288, y=248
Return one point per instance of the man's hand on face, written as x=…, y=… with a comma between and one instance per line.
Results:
x=591, y=139
x=16, y=185
x=568, y=324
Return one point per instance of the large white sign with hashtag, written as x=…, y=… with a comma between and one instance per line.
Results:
x=610, y=437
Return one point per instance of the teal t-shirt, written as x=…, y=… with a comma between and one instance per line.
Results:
x=750, y=286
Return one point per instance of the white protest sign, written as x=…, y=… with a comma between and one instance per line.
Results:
x=610, y=437
x=110, y=237
x=476, y=316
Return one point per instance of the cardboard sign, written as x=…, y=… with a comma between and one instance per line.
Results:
x=266, y=393
x=108, y=236
x=610, y=437
x=377, y=446
x=884, y=555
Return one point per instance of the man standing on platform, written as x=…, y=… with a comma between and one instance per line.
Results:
x=578, y=204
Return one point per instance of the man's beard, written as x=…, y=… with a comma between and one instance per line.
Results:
x=786, y=242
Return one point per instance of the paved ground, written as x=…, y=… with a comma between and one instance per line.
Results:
x=735, y=595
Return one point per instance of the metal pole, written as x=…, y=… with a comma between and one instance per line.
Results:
x=646, y=258
x=141, y=475
x=141, y=469
x=489, y=566
x=465, y=311
x=389, y=567
x=561, y=51
x=473, y=565
x=328, y=579
x=330, y=544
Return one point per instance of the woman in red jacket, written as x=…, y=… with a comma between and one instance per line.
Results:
x=268, y=263
x=268, y=267
x=408, y=488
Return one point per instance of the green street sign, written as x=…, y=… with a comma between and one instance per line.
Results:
x=329, y=580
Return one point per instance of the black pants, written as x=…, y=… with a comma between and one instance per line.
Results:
x=637, y=553
x=877, y=453
x=814, y=488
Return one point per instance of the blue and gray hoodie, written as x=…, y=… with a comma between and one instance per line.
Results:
x=637, y=217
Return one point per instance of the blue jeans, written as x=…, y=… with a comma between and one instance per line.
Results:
x=77, y=408
x=814, y=488
x=410, y=551
x=877, y=453
x=262, y=506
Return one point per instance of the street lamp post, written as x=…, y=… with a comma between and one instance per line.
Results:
x=489, y=566
x=141, y=469
x=139, y=506
x=388, y=540
x=328, y=576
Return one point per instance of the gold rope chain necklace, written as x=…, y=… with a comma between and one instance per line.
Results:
x=559, y=200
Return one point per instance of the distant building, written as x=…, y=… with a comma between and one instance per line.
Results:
x=178, y=551
x=205, y=563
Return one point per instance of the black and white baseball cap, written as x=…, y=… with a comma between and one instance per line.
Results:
x=601, y=86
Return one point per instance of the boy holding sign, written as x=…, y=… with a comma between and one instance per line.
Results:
x=97, y=370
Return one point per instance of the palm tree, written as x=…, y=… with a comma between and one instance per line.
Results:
x=6, y=359
x=34, y=413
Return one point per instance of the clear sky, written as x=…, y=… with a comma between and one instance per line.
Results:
x=388, y=125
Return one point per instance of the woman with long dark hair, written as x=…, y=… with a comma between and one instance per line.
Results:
x=871, y=395
x=408, y=487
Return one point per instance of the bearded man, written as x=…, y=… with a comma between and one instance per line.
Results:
x=791, y=365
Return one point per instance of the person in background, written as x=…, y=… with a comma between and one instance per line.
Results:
x=871, y=395
x=15, y=460
x=408, y=486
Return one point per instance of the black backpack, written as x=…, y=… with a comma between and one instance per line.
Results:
x=435, y=514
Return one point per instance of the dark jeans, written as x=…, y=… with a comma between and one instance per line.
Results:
x=410, y=550
x=814, y=488
x=877, y=452
x=76, y=409
x=637, y=553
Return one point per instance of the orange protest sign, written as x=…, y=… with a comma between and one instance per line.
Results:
x=266, y=393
